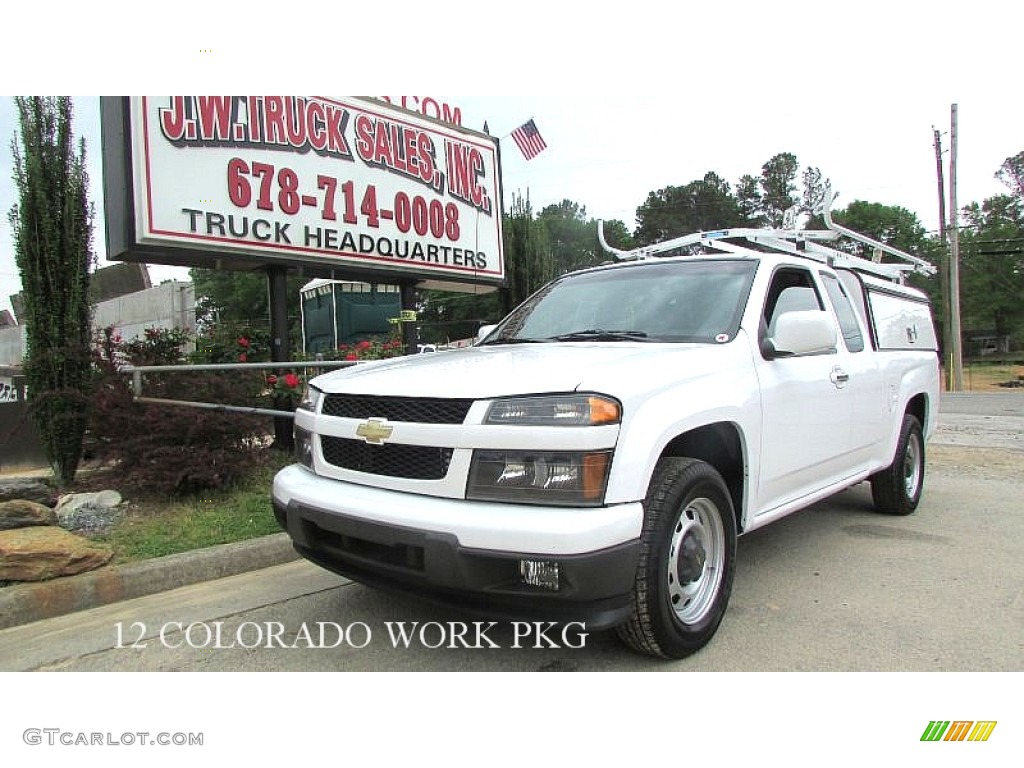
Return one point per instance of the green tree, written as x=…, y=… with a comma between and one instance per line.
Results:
x=617, y=236
x=815, y=189
x=992, y=265
x=1011, y=173
x=892, y=224
x=701, y=205
x=234, y=304
x=238, y=298
x=764, y=199
x=750, y=200
x=573, y=237
x=778, y=187
x=528, y=260
x=52, y=227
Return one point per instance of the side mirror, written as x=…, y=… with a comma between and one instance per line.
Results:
x=803, y=332
x=484, y=332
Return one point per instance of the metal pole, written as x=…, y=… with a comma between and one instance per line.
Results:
x=409, y=335
x=954, y=263
x=947, y=336
x=280, y=346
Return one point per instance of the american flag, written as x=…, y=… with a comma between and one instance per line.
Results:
x=529, y=139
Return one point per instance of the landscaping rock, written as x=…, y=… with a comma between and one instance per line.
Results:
x=88, y=513
x=27, y=488
x=22, y=514
x=38, y=553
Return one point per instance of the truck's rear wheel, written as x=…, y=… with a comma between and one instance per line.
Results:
x=687, y=560
x=896, y=490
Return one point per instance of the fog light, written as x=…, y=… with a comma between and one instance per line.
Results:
x=539, y=573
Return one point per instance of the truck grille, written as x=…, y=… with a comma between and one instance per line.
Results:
x=424, y=410
x=415, y=462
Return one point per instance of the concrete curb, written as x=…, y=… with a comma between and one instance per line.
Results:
x=34, y=601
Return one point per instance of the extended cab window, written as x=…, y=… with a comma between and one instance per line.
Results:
x=844, y=311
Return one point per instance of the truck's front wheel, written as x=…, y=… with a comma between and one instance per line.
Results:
x=687, y=560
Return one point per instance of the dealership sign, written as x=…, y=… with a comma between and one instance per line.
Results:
x=345, y=187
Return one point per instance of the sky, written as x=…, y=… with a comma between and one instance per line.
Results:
x=627, y=103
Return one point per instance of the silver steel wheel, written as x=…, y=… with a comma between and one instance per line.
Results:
x=696, y=560
x=912, y=465
x=896, y=490
x=687, y=560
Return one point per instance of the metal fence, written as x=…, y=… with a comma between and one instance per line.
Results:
x=138, y=371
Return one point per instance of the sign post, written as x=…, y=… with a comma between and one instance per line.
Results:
x=280, y=347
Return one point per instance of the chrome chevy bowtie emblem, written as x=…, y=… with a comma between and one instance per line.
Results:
x=374, y=431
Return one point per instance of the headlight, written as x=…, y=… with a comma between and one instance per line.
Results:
x=577, y=410
x=557, y=477
x=310, y=401
x=303, y=440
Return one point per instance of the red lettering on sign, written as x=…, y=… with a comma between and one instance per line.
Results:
x=215, y=118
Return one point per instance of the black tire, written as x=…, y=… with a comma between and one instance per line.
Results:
x=896, y=490
x=687, y=560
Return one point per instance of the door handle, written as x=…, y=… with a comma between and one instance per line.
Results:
x=839, y=377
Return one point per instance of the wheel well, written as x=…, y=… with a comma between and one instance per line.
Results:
x=918, y=406
x=720, y=446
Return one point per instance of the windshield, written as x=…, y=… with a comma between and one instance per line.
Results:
x=677, y=301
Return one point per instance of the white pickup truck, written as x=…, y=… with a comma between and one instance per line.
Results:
x=594, y=457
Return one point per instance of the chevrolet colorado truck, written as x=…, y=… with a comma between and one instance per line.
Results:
x=594, y=456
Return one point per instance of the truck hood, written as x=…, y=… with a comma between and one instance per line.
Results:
x=617, y=368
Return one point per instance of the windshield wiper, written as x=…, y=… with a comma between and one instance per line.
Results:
x=598, y=334
x=513, y=340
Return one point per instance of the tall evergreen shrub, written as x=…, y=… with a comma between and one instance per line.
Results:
x=52, y=227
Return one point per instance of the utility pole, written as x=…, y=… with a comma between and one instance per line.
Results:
x=954, y=263
x=947, y=347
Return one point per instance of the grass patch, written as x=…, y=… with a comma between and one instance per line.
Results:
x=153, y=527
x=986, y=377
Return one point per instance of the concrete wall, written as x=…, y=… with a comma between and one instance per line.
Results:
x=12, y=345
x=168, y=305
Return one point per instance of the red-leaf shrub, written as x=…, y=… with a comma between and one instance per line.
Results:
x=173, y=449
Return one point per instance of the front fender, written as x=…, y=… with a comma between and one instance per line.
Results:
x=651, y=425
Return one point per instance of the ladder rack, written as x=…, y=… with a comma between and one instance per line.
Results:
x=797, y=242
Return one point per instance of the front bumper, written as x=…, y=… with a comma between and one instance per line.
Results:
x=466, y=554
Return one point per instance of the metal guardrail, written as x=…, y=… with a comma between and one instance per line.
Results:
x=137, y=372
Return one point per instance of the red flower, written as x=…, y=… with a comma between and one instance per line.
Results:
x=243, y=358
x=291, y=380
x=364, y=345
x=243, y=342
x=271, y=379
x=351, y=356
